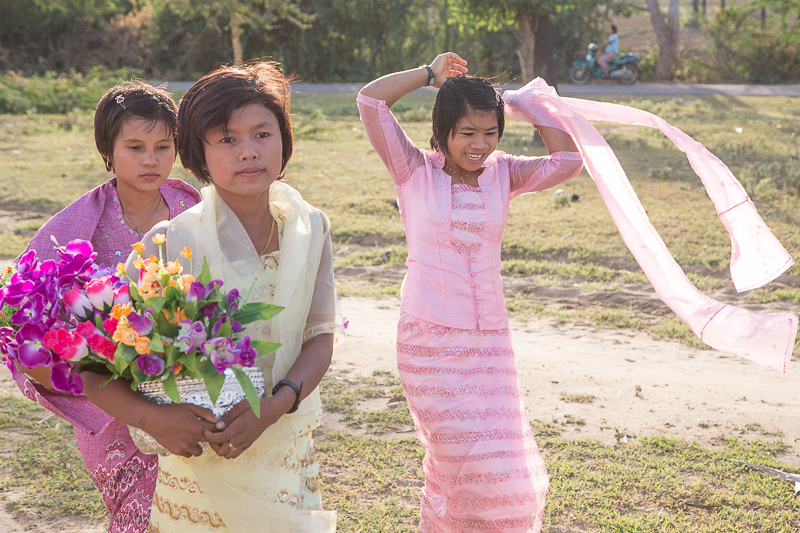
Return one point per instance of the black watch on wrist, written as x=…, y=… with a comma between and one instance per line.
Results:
x=431, y=76
x=297, y=390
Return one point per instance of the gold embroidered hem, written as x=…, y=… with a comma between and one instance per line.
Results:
x=269, y=475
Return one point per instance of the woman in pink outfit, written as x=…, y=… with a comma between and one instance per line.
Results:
x=482, y=468
x=135, y=131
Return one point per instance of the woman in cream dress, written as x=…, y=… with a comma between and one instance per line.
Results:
x=258, y=236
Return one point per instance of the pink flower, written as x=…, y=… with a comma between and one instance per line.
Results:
x=110, y=325
x=78, y=304
x=70, y=346
x=100, y=292
x=87, y=329
x=102, y=345
x=122, y=295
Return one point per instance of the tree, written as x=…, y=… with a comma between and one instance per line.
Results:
x=667, y=35
x=549, y=32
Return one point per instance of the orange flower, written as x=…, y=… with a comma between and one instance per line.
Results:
x=174, y=267
x=117, y=335
x=159, y=238
x=119, y=311
x=186, y=282
x=129, y=337
x=177, y=367
x=120, y=269
x=142, y=344
x=138, y=247
x=187, y=252
x=138, y=263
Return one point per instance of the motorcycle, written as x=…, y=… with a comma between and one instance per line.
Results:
x=625, y=68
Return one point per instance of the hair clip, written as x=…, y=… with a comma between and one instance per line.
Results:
x=497, y=96
x=120, y=99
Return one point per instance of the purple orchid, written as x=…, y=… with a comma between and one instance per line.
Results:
x=63, y=380
x=142, y=324
x=150, y=364
x=245, y=354
x=190, y=336
x=220, y=350
x=233, y=298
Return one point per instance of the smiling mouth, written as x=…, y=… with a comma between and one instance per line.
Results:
x=474, y=157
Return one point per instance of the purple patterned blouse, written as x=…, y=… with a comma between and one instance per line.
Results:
x=125, y=476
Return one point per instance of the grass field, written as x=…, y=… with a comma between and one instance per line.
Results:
x=372, y=472
x=650, y=485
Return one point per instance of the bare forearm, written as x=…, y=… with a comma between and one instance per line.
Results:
x=116, y=398
x=556, y=140
x=309, y=369
x=393, y=87
x=41, y=374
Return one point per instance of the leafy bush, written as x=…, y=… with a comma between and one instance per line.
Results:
x=54, y=93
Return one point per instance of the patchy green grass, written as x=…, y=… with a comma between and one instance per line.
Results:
x=41, y=460
x=373, y=479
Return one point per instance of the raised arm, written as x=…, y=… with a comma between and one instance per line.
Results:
x=393, y=87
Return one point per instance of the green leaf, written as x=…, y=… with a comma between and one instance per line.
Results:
x=256, y=311
x=171, y=354
x=133, y=290
x=155, y=343
x=171, y=388
x=156, y=303
x=205, y=273
x=264, y=347
x=225, y=330
x=138, y=375
x=206, y=368
x=165, y=327
x=190, y=309
x=173, y=294
x=123, y=357
x=249, y=390
x=98, y=321
x=214, y=386
x=189, y=360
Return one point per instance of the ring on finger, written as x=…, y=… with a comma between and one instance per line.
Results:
x=232, y=447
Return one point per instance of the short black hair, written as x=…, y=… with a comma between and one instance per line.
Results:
x=613, y=28
x=132, y=99
x=456, y=98
x=211, y=101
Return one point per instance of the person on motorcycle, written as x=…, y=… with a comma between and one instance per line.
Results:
x=610, y=52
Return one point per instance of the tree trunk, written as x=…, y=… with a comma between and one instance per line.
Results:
x=696, y=5
x=236, y=38
x=527, y=44
x=667, y=34
x=543, y=55
x=445, y=20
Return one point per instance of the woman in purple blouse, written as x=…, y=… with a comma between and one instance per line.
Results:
x=135, y=130
x=483, y=471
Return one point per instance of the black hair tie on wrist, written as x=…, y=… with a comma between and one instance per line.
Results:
x=431, y=76
x=297, y=390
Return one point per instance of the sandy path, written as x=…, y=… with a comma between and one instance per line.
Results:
x=685, y=392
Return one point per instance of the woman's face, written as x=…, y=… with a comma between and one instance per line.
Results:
x=143, y=155
x=472, y=140
x=245, y=158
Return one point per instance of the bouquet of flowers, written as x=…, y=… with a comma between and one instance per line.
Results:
x=73, y=315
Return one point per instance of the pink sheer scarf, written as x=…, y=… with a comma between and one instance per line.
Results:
x=756, y=258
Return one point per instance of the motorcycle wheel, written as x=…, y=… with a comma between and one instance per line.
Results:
x=579, y=74
x=629, y=75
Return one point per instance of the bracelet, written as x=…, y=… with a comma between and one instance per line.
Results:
x=431, y=76
x=297, y=390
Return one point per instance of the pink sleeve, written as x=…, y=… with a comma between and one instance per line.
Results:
x=530, y=174
x=77, y=410
x=389, y=140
